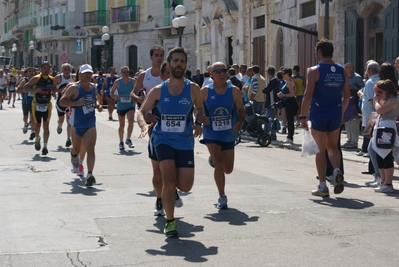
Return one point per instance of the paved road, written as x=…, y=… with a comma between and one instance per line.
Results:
x=50, y=219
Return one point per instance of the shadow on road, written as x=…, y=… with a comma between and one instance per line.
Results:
x=191, y=251
x=127, y=153
x=38, y=157
x=232, y=216
x=26, y=142
x=346, y=203
x=78, y=187
x=62, y=149
x=152, y=194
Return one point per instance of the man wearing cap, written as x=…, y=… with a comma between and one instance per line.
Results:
x=3, y=89
x=43, y=89
x=82, y=98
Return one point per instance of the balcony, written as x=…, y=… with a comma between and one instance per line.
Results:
x=126, y=16
x=27, y=22
x=43, y=33
x=61, y=2
x=69, y=33
x=94, y=20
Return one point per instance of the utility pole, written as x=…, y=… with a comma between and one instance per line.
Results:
x=326, y=18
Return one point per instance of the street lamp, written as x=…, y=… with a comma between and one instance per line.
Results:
x=3, y=50
x=31, y=47
x=180, y=22
x=105, y=38
x=14, y=50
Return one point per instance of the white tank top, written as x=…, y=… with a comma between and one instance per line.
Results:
x=3, y=82
x=150, y=81
x=64, y=81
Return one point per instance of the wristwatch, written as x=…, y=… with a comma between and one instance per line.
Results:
x=198, y=122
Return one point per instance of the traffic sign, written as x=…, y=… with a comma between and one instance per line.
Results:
x=39, y=54
x=64, y=58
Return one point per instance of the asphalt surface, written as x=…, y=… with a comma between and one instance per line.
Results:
x=49, y=218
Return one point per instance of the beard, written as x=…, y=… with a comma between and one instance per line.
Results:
x=177, y=73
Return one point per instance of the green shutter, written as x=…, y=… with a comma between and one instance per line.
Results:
x=102, y=12
x=56, y=19
x=63, y=19
x=179, y=2
x=166, y=12
x=131, y=2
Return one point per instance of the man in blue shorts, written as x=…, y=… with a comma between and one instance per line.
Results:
x=327, y=95
x=120, y=92
x=172, y=136
x=82, y=98
x=222, y=103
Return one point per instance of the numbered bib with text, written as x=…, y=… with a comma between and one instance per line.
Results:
x=173, y=123
x=88, y=107
x=125, y=99
x=221, y=123
x=41, y=107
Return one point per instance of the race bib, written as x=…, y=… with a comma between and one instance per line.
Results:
x=88, y=107
x=31, y=94
x=41, y=107
x=125, y=99
x=221, y=123
x=173, y=123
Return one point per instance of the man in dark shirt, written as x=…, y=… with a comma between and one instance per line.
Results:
x=271, y=91
x=232, y=77
x=198, y=78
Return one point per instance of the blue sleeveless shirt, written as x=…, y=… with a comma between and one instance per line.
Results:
x=220, y=110
x=174, y=124
x=110, y=81
x=124, y=90
x=329, y=87
x=27, y=98
x=84, y=117
x=100, y=82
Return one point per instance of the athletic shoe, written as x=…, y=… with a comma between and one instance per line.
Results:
x=179, y=201
x=284, y=131
x=37, y=144
x=44, y=151
x=370, y=183
x=287, y=141
x=74, y=170
x=366, y=155
x=25, y=129
x=210, y=161
x=129, y=143
x=75, y=161
x=80, y=171
x=9, y=101
x=171, y=229
x=13, y=105
x=384, y=188
x=59, y=129
x=90, y=180
x=222, y=202
x=158, y=211
x=318, y=192
x=330, y=178
x=32, y=136
x=351, y=146
x=68, y=142
x=360, y=153
x=376, y=183
x=110, y=117
x=121, y=146
x=338, y=181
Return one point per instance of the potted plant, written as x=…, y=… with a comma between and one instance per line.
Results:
x=77, y=27
x=61, y=27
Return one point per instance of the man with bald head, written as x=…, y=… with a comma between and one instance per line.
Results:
x=352, y=127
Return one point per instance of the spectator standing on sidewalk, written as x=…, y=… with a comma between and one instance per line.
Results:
x=352, y=127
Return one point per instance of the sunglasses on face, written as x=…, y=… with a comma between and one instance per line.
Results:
x=218, y=71
x=125, y=72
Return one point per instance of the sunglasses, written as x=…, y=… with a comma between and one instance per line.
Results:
x=125, y=72
x=218, y=71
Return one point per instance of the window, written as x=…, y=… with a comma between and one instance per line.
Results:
x=308, y=9
x=260, y=22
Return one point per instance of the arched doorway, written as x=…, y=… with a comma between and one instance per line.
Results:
x=133, y=64
x=375, y=46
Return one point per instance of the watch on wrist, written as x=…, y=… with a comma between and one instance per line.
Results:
x=198, y=122
x=302, y=117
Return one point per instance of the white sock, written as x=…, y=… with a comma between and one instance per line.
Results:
x=322, y=185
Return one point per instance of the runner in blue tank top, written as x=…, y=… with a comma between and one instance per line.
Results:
x=327, y=95
x=82, y=98
x=120, y=91
x=172, y=136
x=108, y=83
x=27, y=98
x=222, y=103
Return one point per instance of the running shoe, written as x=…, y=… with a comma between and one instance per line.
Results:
x=129, y=143
x=81, y=170
x=9, y=101
x=338, y=181
x=37, y=144
x=210, y=161
x=75, y=161
x=32, y=136
x=287, y=141
x=59, y=129
x=318, y=192
x=171, y=229
x=384, y=188
x=68, y=142
x=90, y=180
x=44, y=151
x=74, y=170
x=110, y=117
x=179, y=201
x=25, y=129
x=158, y=211
x=13, y=105
x=222, y=202
x=121, y=146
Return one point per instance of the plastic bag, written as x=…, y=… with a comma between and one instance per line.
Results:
x=309, y=146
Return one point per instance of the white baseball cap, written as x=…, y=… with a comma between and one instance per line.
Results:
x=85, y=68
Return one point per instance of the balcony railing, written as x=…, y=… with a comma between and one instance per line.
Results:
x=69, y=32
x=125, y=14
x=43, y=32
x=28, y=21
x=96, y=18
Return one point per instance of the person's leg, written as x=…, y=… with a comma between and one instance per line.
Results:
x=156, y=178
x=130, y=120
x=169, y=182
x=13, y=99
x=332, y=148
x=46, y=132
x=271, y=115
x=121, y=128
x=321, y=163
x=110, y=106
x=217, y=156
x=290, y=115
x=89, y=139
